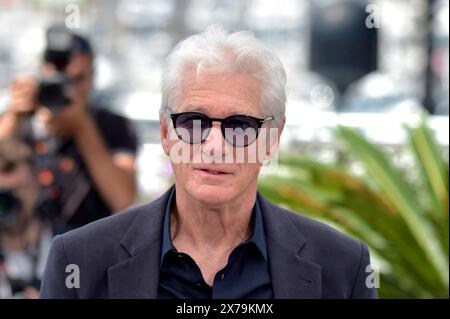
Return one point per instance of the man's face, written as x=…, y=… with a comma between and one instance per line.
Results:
x=218, y=96
x=79, y=71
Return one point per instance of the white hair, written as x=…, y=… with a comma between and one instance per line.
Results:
x=215, y=50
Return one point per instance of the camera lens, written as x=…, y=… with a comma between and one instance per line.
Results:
x=52, y=91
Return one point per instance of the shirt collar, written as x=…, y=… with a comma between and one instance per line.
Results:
x=258, y=236
x=166, y=240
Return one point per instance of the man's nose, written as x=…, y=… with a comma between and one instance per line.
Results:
x=215, y=146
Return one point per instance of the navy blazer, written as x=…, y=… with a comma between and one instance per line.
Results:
x=119, y=257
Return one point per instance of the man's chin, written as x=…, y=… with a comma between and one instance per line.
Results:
x=213, y=194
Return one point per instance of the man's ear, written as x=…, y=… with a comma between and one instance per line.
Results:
x=164, y=131
x=273, y=140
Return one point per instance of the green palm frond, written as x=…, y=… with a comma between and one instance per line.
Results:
x=409, y=239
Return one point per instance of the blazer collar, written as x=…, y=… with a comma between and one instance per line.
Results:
x=293, y=276
x=138, y=276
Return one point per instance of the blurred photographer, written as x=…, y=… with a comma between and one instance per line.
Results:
x=85, y=153
x=25, y=235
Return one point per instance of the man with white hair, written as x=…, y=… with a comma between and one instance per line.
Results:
x=212, y=235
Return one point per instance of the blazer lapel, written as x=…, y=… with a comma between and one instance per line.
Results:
x=138, y=276
x=293, y=276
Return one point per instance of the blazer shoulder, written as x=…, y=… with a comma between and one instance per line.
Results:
x=345, y=260
x=105, y=232
x=317, y=231
x=322, y=238
x=98, y=246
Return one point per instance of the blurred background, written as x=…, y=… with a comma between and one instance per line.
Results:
x=366, y=143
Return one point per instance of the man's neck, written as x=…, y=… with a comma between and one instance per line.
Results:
x=204, y=227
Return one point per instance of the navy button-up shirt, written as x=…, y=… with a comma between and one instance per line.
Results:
x=245, y=276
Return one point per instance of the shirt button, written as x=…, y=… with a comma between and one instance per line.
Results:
x=199, y=284
x=223, y=276
x=180, y=255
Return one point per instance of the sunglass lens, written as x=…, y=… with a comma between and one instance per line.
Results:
x=192, y=127
x=240, y=130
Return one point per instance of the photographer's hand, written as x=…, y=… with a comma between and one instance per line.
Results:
x=23, y=101
x=68, y=120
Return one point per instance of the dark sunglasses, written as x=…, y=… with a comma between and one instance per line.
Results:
x=238, y=130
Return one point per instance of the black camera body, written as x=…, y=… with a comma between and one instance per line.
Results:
x=53, y=89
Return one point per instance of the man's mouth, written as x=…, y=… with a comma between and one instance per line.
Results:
x=213, y=171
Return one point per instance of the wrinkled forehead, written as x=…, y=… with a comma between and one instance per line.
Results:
x=208, y=89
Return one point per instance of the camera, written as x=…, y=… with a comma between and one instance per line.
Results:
x=53, y=89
